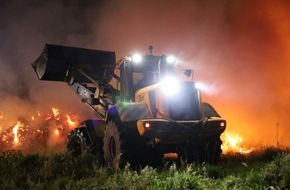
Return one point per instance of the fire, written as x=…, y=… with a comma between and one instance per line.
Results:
x=70, y=121
x=55, y=112
x=1, y=117
x=51, y=129
x=15, y=132
x=56, y=132
x=37, y=132
x=234, y=144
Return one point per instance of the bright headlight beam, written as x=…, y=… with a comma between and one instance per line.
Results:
x=170, y=85
x=170, y=59
x=199, y=85
x=136, y=58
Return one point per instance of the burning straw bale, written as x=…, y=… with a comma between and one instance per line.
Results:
x=40, y=132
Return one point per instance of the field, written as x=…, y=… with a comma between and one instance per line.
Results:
x=267, y=168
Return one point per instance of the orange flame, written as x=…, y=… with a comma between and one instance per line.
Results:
x=234, y=144
x=15, y=132
x=1, y=117
x=56, y=132
x=70, y=121
x=40, y=131
x=55, y=112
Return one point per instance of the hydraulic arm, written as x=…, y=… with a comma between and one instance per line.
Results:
x=87, y=72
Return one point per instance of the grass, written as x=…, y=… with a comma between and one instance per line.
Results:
x=268, y=168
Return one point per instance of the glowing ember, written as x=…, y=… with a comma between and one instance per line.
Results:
x=69, y=121
x=234, y=144
x=15, y=132
x=56, y=132
x=38, y=132
x=1, y=118
x=55, y=112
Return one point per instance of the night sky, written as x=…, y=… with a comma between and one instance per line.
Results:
x=240, y=49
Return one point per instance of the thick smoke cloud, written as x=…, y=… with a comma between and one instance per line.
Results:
x=24, y=29
x=239, y=49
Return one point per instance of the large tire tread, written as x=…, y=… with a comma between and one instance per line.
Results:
x=203, y=152
x=127, y=146
x=77, y=142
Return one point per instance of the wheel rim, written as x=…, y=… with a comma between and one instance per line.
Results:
x=112, y=147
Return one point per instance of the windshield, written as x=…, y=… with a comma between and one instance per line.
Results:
x=143, y=79
x=150, y=70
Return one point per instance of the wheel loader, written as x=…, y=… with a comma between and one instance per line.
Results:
x=145, y=107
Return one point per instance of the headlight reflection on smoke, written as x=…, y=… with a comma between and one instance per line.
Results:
x=199, y=85
x=208, y=89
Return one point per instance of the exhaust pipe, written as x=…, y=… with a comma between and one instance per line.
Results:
x=63, y=63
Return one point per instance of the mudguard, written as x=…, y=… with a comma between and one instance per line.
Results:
x=122, y=112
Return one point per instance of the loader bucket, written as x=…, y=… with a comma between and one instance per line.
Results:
x=62, y=63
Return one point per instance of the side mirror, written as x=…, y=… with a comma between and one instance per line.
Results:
x=187, y=72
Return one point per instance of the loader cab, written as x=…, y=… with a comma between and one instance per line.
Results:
x=137, y=72
x=154, y=81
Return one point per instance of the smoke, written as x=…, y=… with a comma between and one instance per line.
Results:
x=25, y=28
x=238, y=48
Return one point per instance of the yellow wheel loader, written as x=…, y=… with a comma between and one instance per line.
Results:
x=144, y=109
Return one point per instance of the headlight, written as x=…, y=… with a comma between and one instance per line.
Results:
x=170, y=85
x=170, y=59
x=136, y=58
x=199, y=85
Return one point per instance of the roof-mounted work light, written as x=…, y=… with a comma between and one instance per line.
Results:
x=171, y=59
x=136, y=58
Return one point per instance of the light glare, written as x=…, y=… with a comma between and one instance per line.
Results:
x=147, y=125
x=170, y=85
x=136, y=58
x=199, y=85
x=170, y=59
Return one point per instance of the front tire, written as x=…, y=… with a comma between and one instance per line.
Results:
x=208, y=152
x=112, y=146
x=76, y=143
x=122, y=145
